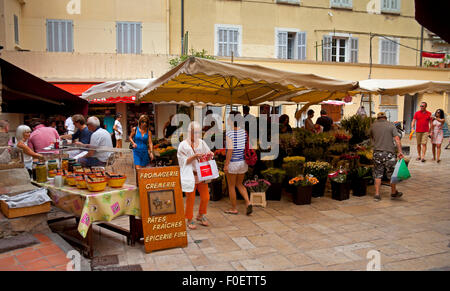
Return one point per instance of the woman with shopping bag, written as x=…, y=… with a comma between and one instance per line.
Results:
x=194, y=158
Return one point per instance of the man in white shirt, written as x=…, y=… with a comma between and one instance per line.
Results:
x=99, y=138
x=68, y=124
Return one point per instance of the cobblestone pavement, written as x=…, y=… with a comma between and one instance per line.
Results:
x=411, y=233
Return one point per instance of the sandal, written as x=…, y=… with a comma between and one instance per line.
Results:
x=397, y=194
x=423, y=160
x=249, y=209
x=235, y=212
x=203, y=220
x=377, y=198
x=418, y=159
x=438, y=161
x=191, y=225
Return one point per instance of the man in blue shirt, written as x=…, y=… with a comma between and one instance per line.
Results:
x=83, y=134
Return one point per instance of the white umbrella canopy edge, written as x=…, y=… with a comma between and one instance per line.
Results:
x=403, y=87
x=112, y=89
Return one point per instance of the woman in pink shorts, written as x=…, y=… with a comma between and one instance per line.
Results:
x=437, y=134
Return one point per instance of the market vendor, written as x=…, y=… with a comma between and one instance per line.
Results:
x=83, y=134
x=99, y=138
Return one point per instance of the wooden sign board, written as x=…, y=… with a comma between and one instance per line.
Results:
x=162, y=209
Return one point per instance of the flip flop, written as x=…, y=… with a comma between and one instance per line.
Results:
x=203, y=221
x=423, y=160
x=231, y=212
x=418, y=159
x=191, y=225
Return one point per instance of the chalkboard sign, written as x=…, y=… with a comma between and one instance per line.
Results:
x=162, y=208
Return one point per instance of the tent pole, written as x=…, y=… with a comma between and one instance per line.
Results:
x=370, y=107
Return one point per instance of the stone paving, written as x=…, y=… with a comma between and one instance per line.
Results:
x=412, y=233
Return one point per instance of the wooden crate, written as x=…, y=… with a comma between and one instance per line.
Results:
x=25, y=211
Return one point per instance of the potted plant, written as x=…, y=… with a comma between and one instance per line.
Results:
x=304, y=186
x=340, y=185
x=319, y=170
x=216, y=187
x=293, y=165
x=257, y=186
x=361, y=176
x=275, y=177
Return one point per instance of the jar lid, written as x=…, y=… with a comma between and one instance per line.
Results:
x=66, y=159
x=41, y=164
x=76, y=165
x=72, y=160
x=52, y=161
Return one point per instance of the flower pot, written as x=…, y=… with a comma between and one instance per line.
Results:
x=318, y=190
x=274, y=192
x=303, y=195
x=215, y=190
x=359, y=187
x=340, y=191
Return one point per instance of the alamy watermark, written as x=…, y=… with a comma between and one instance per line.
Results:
x=73, y=7
x=75, y=261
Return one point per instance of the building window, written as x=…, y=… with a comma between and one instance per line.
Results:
x=290, y=45
x=340, y=49
x=16, y=29
x=387, y=100
x=228, y=40
x=59, y=35
x=389, y=51
x=129, y=37
x=390, y=6
x=341, y=3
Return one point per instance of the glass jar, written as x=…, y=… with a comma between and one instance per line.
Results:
x=33, y=170
x=65, y=164
x=77, y=168
x=71, y=163
x=41, y=173
x=52, y=168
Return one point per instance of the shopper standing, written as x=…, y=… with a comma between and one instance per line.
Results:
x=422, y=123
x=235, y=166
x=383, y=134
x=437, y=134
x=141, y=140
x=42, y=136
x=190, y=151
x=325, y=121
x=309, y=124
x=118, y=130
x=22, y=136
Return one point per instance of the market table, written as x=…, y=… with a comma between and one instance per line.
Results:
x=99, y=208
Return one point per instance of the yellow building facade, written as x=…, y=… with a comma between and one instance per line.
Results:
x=95, y=41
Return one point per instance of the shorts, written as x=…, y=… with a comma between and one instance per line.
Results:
x=384, y=161
x=421, y=137
x=240, y=167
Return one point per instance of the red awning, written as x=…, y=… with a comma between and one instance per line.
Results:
x=75, y=88
x=433, y=55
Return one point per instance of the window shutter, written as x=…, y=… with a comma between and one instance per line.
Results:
x=354, y=50
x=301, y=45
x=70, y=36
x=49, y=36
x=16, y=29
x=119, y=32
x=282, y=44
x=138, y=38
x=326, y=49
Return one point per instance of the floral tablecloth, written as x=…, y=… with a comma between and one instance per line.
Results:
x=95, y=206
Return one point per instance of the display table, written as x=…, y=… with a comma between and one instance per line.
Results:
x=99, y=208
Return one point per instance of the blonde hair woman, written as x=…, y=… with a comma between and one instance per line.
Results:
x=190, y=151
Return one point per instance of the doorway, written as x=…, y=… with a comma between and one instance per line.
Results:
x=409, y=109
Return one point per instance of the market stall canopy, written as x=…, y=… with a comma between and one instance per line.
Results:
x=23, y=92
x=209, y=81
x=402, y=87
x=123, y=91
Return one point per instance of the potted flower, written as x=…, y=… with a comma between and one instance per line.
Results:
x=361, y=176
x=257, y=185
x=216, y=187
x=340, y=185
x=304, y=186
x=319, y=170
x=293, y=165
x=276, y=178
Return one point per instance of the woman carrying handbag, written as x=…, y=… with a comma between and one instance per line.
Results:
x=141, y=142
x=190, y=152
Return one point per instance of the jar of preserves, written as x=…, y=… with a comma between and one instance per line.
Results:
x=41, y=173
x=77, y=168
x=65, y=164
x=33, y=170
x=52, y=168
x=71, y=163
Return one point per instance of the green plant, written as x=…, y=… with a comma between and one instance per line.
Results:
x=314, y=153
x=363, y=173
x=193, y=53
x=317, y=169
x=338, y=148
x=358, y=126
x=274, y=175
x=303, y=181
x=293, y=165
x=339, y=176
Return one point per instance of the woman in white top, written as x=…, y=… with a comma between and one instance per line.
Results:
x=118, y=130
x=190, y=151
x=23, y=135
x=235, y=165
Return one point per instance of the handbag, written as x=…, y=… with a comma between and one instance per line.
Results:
x=250, y=154
x=207, y=170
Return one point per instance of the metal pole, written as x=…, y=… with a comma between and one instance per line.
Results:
x=370, y=107
x=370, y=56
x=182, y=27
x=421, y=45
x=316, y=51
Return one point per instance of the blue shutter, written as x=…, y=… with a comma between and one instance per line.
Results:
x=301, y=45
x=326, y=49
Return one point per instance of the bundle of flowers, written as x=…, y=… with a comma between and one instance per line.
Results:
x=339, y=176
x=257, y=185
x=303, y=181
x=342, y=136
x=166, y=151
x=317, y=169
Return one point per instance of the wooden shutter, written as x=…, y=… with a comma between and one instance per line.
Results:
x=353, y=50
x=301, y=45
x=282, y=44
x=326, y=49
x=16, y=29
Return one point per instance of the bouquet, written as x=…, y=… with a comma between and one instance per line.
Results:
x=342, y=136
x=338, y=176
x=318, y=169
x=303, y=181
x=257, y=185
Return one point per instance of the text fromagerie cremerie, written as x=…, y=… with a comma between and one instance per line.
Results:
x=159, y=185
